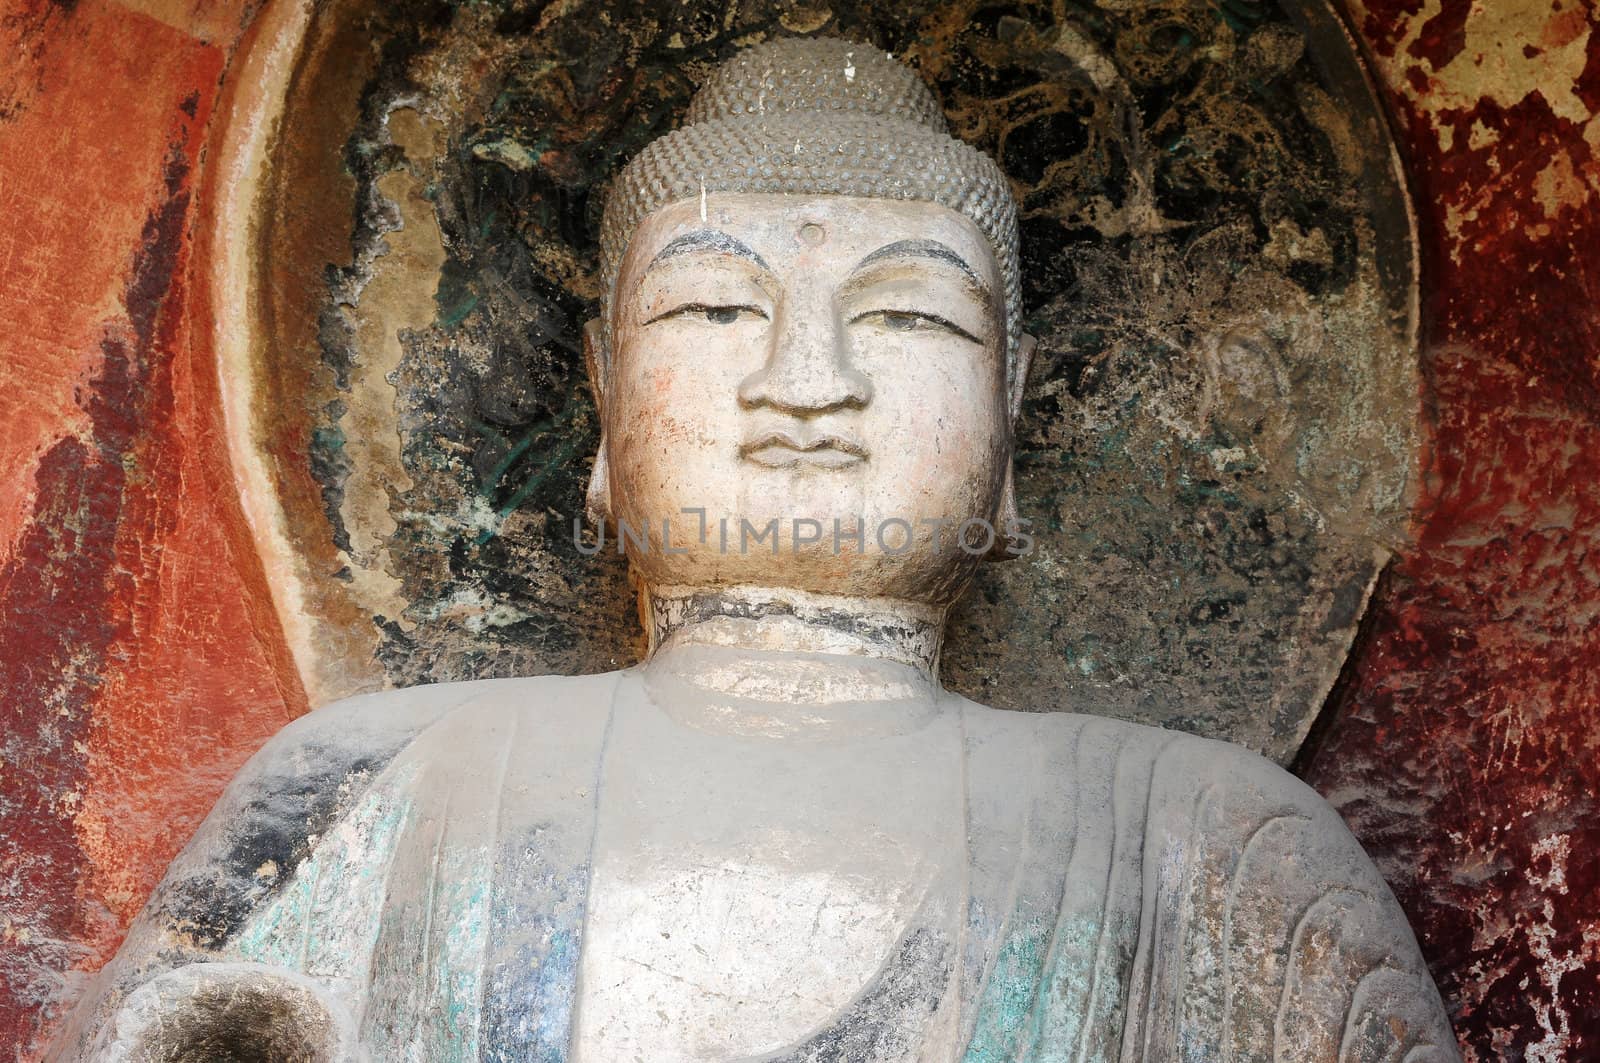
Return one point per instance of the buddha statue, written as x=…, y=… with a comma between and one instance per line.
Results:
x=777, y=838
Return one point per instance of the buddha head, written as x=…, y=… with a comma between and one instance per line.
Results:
x=809, y=358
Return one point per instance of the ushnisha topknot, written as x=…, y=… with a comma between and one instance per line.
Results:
x=815, y=74
x=817, y=116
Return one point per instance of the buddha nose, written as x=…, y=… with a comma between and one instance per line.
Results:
x=808, y=370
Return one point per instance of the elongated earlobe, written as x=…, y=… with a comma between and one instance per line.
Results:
x=1017, y=379
x=1007, y=537
x=597, y=359
x=1011, y=539
x=598, y=498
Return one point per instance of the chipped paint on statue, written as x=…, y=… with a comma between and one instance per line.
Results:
x=779, y=837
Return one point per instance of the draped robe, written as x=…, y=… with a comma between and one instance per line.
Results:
x=421, y=859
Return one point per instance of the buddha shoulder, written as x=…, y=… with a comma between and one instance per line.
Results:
x=1174, y=783
x=320, y=767
x=305, y=788
x=1231, y=906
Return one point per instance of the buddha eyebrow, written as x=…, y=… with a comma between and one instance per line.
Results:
x=709, y=240
x=923, y=249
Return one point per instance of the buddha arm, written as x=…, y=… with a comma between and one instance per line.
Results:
x=1176, y=899
x=207, y=926
x=1295, y=947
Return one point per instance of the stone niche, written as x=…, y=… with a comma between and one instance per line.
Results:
x=1217, y=448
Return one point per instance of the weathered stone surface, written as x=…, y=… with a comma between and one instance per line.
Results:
x=231, y=1011
x=1217, y=444
x=1493, y=98
x=1124, y=893
x=779, y=838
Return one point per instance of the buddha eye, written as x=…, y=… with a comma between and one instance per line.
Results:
x=912, y=321
x=712, y=313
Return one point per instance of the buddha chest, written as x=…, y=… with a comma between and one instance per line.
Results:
x=746, y=889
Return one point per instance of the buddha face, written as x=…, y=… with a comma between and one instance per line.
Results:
x=824, y=377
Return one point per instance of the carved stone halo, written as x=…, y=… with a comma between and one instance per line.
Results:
x=1217, y=444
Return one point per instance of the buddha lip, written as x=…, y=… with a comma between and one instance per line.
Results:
x=779, y=449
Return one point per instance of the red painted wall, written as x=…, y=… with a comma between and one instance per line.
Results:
x=1466, y=748
x=140, y=663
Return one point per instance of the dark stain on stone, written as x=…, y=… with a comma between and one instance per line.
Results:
x=884, y=1021
x=1347, y=683
x=401, y=33
x=277, y=810
x=23, y=33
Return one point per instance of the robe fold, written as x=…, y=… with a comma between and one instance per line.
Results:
x=420, y=860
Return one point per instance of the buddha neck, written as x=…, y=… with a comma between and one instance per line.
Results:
x=780, y=662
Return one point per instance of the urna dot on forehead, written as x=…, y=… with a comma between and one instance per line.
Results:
x=818, y=116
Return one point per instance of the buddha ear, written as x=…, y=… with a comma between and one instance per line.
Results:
x=598, y=359
x=1011, y=541
x=1026, y=345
